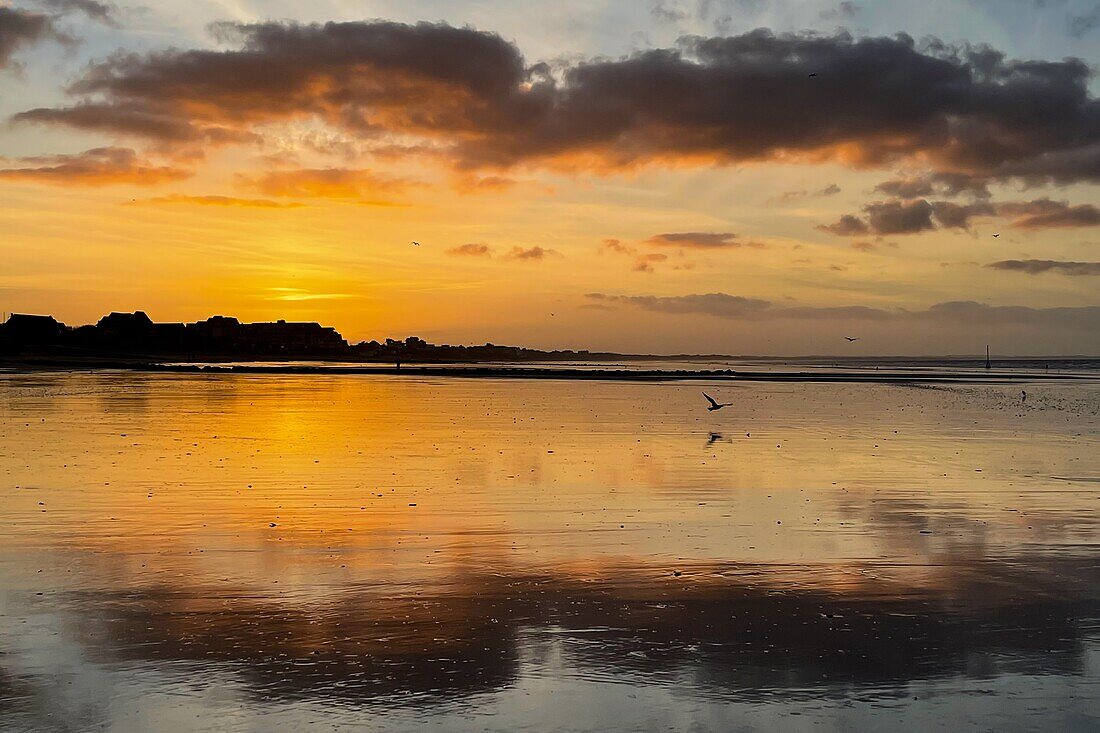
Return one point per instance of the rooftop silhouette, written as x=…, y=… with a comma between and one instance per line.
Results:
x=135, y=336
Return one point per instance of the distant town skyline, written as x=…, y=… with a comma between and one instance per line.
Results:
x=673, y=176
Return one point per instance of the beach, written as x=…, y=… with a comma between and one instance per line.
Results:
x=238, y=551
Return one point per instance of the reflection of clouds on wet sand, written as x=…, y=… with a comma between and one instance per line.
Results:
x=732, y=630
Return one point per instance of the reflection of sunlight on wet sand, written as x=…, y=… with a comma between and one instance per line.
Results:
x=361, y=467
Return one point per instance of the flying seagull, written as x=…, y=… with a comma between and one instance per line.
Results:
x=813, y=75
x=852, y=338
x=996, y=235
x=416, y=243
x=715, y=405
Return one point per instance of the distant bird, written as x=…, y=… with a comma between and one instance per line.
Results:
x=1023, y=395
x=813, y=75
x=416, y=244
x=714, y=405
x=852, y=338
x=713, y=438
x=996, y=235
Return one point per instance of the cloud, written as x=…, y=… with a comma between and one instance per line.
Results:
x=96, y=167
x=864, y=246
x=1045, y=213
x=616, y=246
x=847, y=225
x=1036, y=267
x=845, y=10
x=471, y=94
x=228, y=201
x=788, y=196
x=103, y=12
x=942, y=184
x=899, y=217
x=916, y=215
x=335, y=183
x=644, y=263
x=136, y=120
x=482, y=184
x=530, y=254
x=22, y=28
x=695, y=240
x=716, y=304
x=1081, y=25
x=906, y=188
x=472, y=249
x=723, y=305
x=957, y=216
x=297, y=295
x=666, y=11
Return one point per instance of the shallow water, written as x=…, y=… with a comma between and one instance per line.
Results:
x=267, y=553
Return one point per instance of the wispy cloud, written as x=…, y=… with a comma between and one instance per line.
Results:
x=228, y=201
x=1036, y=267
x=531, y=254
x=95, y=167
x=724, y=305
x=472, y=249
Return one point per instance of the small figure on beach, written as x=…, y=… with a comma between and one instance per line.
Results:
x=1023, y=395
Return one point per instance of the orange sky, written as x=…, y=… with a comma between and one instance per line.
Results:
x=161, y=183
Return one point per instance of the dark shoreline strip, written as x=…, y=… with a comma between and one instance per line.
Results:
x=662, y=375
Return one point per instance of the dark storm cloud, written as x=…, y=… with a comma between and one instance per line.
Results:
x=874, y=101
x=1036, y=267
x=96, y=167
x=695, y=240
x=723, y=305
x=1045, y=213
x=21, y=28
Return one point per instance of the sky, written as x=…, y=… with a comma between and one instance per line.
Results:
x=653, y=176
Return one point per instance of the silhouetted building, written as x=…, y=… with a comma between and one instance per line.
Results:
x=23, y=328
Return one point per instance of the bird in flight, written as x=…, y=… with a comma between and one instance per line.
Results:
x=852, y=338
x=715, y=405
x=813, y=75
x=996, y=235
x=713, y=438
x=416, y=244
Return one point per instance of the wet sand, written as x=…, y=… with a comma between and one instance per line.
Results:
x=667, y=371
x=254, y=551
